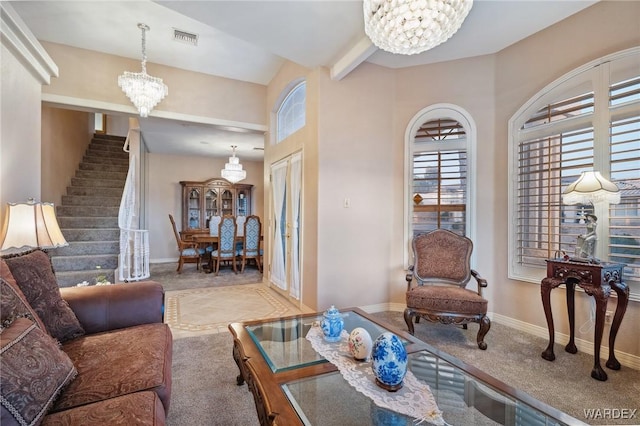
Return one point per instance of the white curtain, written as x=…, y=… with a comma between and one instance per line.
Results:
x=296, y=187
x=279, y=184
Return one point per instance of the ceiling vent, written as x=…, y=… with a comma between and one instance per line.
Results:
x=185, y=37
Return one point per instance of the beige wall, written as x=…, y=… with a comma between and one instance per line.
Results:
x=305, y=141
x=356, y=148
x=353, y=147
x=474, y=92
x=86, y=74
x=65, y=137
x=164, y=195
x=522, y=70
x=20, y=160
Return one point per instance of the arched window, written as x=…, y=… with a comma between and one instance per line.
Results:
x=439, y=178
x=291, y=115
x=588, y=120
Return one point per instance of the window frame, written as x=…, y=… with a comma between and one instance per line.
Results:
x=289, y=96
x=434, y=112
x=568, y=85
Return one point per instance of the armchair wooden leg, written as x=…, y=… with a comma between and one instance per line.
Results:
x=485, y=325
x=408, y=318
x=180, y=262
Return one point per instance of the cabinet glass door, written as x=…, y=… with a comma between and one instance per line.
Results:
x=194, y=208
x=210, y=205
x=241, y=203
x=227, y=202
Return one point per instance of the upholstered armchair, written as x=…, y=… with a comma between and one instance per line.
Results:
x=441, y=271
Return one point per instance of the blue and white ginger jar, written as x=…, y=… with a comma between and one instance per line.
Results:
x=389, y=361
x=332, y=324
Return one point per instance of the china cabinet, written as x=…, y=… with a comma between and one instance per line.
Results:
x=213, y=197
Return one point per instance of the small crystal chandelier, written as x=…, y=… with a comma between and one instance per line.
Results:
x=233, y=169
x=408, y=27
x=143, y=90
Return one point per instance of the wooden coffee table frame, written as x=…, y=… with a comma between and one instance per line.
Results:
x=274, y=408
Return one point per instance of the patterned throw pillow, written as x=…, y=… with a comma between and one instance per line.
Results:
x=13, y=303
x=34, y=275
x=33, y=371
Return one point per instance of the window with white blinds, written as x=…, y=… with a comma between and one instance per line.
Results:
x=589, y=120
x=439, y=189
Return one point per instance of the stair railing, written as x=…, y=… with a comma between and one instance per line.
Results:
x=133, y=260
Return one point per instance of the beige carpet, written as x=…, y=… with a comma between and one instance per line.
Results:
x=209, y=310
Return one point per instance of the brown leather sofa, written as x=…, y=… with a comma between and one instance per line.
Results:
x=113, y=365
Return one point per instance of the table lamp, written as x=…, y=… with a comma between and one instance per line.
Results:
x=31, y=225
x=590, y=188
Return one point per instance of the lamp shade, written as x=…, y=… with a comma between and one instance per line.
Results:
x=591, y=187
x=32, y=225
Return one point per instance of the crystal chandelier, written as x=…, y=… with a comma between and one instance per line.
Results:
x=408, y=27
x=233, y=169
x=143, y=90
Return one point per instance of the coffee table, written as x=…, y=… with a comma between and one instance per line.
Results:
x=293, y=385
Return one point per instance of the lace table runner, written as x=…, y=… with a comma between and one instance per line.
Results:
x=413, y=399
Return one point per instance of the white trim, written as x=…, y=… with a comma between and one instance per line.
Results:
x=626, y=359
x=463, y=117
x=92, y=105
x=18, y=38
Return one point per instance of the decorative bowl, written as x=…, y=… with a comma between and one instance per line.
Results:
x=389, y=361
x=360, y=343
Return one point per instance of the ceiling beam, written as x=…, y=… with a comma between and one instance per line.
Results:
x=354, y=57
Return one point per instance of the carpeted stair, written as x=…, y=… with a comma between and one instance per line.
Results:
x=88, y=214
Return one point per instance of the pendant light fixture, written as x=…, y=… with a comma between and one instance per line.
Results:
x=233, y=169
x=409, y=27
x=142, y=89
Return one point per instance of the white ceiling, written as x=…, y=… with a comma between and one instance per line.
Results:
x=249, y=41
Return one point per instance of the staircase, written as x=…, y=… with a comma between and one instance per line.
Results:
x=88, y=214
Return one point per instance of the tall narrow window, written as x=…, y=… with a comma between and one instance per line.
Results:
x=587, y=120
x=291, y=115
x=439, y=190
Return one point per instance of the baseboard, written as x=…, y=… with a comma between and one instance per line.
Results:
x=626, y=359
x=164, y=260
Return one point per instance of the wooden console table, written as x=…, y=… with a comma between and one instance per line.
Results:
x=596, y=280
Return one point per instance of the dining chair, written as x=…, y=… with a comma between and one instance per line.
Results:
x=251, y=242
x=240, y=220
x=189, y=251
x=442, y=270
x=226, y=250
x=214, y=223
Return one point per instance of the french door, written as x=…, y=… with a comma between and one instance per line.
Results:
x=286, y=185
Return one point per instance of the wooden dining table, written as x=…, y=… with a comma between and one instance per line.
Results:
x=208, y=239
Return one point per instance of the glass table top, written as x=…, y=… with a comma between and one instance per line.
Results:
x=283, y=345
x=328, y=399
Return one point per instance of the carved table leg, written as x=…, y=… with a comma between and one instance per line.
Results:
x=601, y=308
x=622, y=291
x=545, y=290
x=571, y=311
x=238, y=359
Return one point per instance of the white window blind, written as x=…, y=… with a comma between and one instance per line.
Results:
x=589, y=121
x=439, y=189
